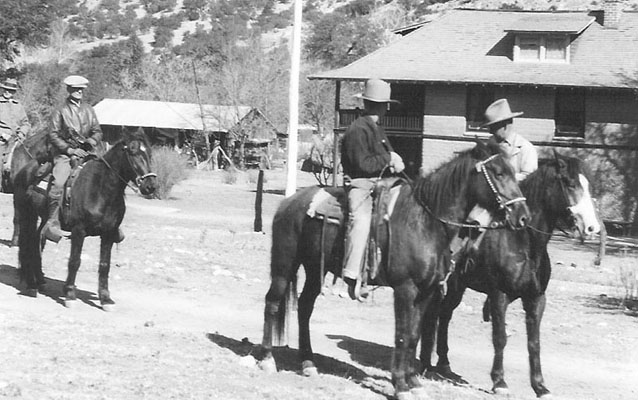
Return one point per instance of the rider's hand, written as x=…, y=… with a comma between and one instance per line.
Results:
x=396, y=163
x=91, y=142
x=78, y=153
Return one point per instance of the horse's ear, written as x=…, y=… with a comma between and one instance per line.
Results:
x=562, y=165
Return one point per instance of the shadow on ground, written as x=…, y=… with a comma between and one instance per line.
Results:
x=615, y=305
x=53, y=288
x=287, y=359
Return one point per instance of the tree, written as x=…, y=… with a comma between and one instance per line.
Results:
x=22, y=23
x=338, y=40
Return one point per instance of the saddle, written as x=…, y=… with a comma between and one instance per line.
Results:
x=331, y=207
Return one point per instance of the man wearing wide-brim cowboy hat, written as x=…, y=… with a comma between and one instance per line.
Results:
x=14, y=124
x=517, y=150
x=74, y=133
x=366, y=154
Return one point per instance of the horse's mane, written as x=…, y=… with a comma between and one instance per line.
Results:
x=132, y=133
x=441, y=187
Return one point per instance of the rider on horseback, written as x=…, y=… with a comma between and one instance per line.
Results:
x=74, y=134
x=14, y=124
x=365, y=154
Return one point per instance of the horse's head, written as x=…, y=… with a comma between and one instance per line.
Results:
x=138, y=153
x=571, y=195
x=494, y=188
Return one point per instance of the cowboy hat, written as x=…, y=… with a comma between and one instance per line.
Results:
x=499, y=111
x=76, y=81
x=9, y=84
x=377, y=91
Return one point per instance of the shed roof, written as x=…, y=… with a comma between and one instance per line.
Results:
x=472, y=46
x=169, y=115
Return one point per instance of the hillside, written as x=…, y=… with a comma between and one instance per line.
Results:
x=389, y=13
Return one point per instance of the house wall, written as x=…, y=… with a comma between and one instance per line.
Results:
x=611, y=118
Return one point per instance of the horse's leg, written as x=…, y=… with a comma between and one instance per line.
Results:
x=77, y=241
x=534, y=308
x=498, y=308
x=29, y=255
x=106, y=244
x=450, y=302
x=311, y=290
x=16, y=226
x=274, y=319
x=408, y=310
x=428, y=337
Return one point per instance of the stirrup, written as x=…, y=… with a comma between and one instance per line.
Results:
x=355, y=291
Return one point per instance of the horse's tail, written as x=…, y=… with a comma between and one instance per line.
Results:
x=286, y=306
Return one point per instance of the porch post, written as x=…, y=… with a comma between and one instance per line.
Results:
x=335, y=140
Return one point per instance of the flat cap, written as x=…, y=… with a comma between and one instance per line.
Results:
x=76, y=81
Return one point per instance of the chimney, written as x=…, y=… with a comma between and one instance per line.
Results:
x=612, y=11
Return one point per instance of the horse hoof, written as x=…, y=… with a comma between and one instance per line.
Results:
x=68, y=303
x=500, y=391
x=308, y=368
x=30, y=293
x=268, y=365
x=420, y=393
x=108, y=307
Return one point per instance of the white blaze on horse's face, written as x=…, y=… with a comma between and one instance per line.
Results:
x=584, y=210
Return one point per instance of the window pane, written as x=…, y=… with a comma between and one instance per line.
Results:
x=478, y=99
x=555, y=49
x=530, y=48
x=570, y=112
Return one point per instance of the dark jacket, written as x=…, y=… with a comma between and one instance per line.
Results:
x=71, y=125
x=365, y=150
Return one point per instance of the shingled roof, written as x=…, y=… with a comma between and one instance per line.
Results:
x=474, y=46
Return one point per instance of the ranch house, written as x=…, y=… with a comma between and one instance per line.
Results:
x=573, y=74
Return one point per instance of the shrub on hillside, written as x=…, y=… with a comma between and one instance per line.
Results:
x=170, y=168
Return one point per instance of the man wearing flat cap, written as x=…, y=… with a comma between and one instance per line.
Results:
x=517, y=150
x=74, y=132
x=366, y=154
x=14, y=124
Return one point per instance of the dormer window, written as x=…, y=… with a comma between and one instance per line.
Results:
x=546, y=39
x=541, y=48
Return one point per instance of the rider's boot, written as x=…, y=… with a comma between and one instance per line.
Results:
x=52, y=229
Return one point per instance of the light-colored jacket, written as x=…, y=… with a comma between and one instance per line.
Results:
x=13, y=119
x=520, y=153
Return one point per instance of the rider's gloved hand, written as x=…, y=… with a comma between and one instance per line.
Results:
x=78, y=153
x=396, y=163
x=91, y=142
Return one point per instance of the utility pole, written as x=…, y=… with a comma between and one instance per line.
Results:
x=293, y=102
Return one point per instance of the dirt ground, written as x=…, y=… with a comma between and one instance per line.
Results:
x=189, y=282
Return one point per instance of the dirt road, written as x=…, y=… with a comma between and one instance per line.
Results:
x=189, y=283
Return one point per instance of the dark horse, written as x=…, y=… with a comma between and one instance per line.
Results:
x=33, y=148
x=415, y=251
x=515, y=264
x=96, y=209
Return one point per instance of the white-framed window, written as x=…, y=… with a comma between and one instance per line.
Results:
x=541, y=48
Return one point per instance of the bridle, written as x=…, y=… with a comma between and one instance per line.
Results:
x=139, y=178
x=503, y=203
x=569, y=205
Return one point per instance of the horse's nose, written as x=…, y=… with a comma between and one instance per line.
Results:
x=522, y=222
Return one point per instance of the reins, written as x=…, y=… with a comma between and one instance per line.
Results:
x=480, y=166
x=127, y=183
